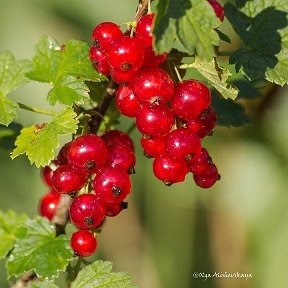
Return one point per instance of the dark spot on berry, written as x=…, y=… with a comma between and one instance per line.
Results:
x=90, y=165
x=219, y=177
x=88, y=221
x=124, y=205
x=76, y=254
x=96, y=44
x=72, y=194
x=116, y=190
x=189, y=157
x=126, y=66
x=167, y=183
x=131, y=170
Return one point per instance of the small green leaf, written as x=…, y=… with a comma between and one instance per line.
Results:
x=41, y=284
x=9, y=223
x=8, y=135
x=40, y=145
x=38, y=249
x=8, y=110
x=99, y=274
x=217, y=76
x=188, y=25
x=263, y=27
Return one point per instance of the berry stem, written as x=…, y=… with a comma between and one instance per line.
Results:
x=178, y=74
x=36, y=109
x=142, y=9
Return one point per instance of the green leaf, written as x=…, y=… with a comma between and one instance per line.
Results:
x=217, y=76
x=66, y=68
x=99, y=274
x=38, y=249
x=39, y=144
x=9, y=223
x=223, y=36
x=188, y=25
x=8, y=135
x=263, y=27
x=8, y=110
x=41, y=284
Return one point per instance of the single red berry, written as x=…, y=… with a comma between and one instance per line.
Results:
x=219, y=11
x=87, y=211
x=62, y=155
x=191, y=97
x=48, y=204
x=122, y=157
x=117, y=137
x=99, y=60
x=105, y=34
x=126, y=54
x=47, y=173
x=168, y=170
x=113, y=209
x=154, y=120
x=122, y=77
x=144, y=30
x=66, y=180
x=83, y=243
x=153, y=146
x=200, y=163
x=182, y=143
x=153, y=85
x=208, y=178
x=87, y=153
x=112, y=184
x=126, y=101
x=151, y=59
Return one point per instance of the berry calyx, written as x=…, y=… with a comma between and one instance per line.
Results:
x=83, y=243
x=86, y=211
x=219, y=11
x=144, y=30
x=117, y=137
x=99, y=60
x=208, y=178
x=48, y=204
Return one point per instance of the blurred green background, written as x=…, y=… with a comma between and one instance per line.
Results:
x=168, y=234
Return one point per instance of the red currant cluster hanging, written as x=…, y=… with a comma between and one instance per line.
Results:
x=99, y=168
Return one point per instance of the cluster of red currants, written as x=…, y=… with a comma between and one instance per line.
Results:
x=94, y=171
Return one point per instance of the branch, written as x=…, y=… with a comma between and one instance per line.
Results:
x=142, y=9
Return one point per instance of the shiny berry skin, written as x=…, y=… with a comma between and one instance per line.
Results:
x=205, y=123
x=153, y=85
x=126, y=101
x=113, y=209
x=168, y=170
x=122, y=77
x=208, y=178
x=219, y=11
x=83, y=243
x=122, y=157
x=126, y=54
x=144, y=30
x=62, y=155
x=87, y=153
x=200, y=163
x=99, y=60
x=48, y=204
x=182, y=143
x=86, y=211
x=153, y=146
x=191, y=97
x=154, y=120
x=105, y=34
x=151, y=59
x=66, y=180
x=117, y=137
x=112, y=184
x=47, y=173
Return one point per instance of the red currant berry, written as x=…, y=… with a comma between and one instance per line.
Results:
x=182, y=143
x=66, y=180
x=122, y=157
x=112, y=184
x=83, y=243
x=153, y=85
x=154, y=120
x=86, y=211
x=87, y=153
x=208, y=178
x=151, y=59
x=205, y=123
x=153, y=146
x=48, y=204
x=126, y=101
x=122, y=78
x=117, y=137
x=126, y=55
x=62, y=155
x=144, y=30
x=169, y=170
x=99, y=60
x=219, y=11
x=47, y=173
x=113, y=209
x=200, y=163
x=191, y=97
x=105, y=34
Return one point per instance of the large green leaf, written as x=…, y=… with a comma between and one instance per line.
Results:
x=39, y=143
x=38, y=249
x=99, y=274
x=263, y=27
x=9, y=222
x=41, y=284
x=188, y=25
